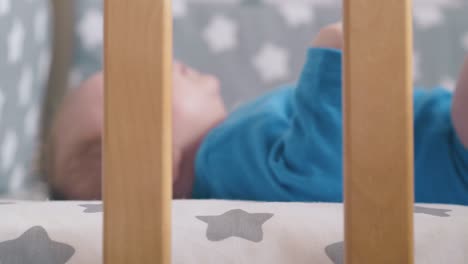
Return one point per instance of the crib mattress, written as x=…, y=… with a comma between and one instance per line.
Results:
x=219, y=232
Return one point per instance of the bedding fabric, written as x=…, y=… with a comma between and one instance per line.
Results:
x=219, y=232
x=25, y=56
x=256, y=45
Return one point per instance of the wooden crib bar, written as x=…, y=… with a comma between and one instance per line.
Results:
x=378, y=131
x=137, y=142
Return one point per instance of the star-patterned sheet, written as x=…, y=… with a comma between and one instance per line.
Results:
x=213, y=232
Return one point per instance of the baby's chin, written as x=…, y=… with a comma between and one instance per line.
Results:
x=214, y=118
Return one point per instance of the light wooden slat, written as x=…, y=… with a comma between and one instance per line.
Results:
x=378, y=132
x=137, y=141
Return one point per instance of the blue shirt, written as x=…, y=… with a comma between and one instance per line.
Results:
x=287, y=145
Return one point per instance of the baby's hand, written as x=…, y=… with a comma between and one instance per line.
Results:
x=330, y=36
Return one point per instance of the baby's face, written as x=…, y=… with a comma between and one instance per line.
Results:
x=77, y=132
x=197, y=105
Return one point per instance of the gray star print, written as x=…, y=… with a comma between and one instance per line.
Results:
x=92, y=208
x=235, y=223
x=34, y=247
x=432, y=211
x=335, y=252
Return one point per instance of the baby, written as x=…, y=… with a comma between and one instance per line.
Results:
x=284, y=146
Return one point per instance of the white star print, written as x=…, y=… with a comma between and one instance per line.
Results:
x=9, y=148
x=465, y=42
x=25, y=86
x=17, y=178
x=272, y=63
x=43, y=65
x=31, y=122
x=75, y=78
x=221, y=34
x=15, y=42
x=429, y=13
x=4, y=7
x=312, y=3
x=90, y=29
x=40, y=25
x=427, y=17
x=448, y=83
x=179, y=8
x=2, y=103
x=296, y=13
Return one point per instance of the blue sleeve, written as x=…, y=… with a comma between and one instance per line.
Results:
x=441, y=159
x=314, y=140
x=285, y=146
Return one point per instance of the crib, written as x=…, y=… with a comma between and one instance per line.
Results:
x=378, y=132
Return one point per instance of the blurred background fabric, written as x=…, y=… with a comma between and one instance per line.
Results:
x=253, y=46
x=25, y=55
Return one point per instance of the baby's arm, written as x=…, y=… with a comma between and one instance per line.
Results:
x=331, y=37
x=285, y=145
x=460, y=106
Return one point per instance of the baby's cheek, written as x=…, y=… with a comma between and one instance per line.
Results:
x=182, y=125
x=83, y=172
x=213, y=85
